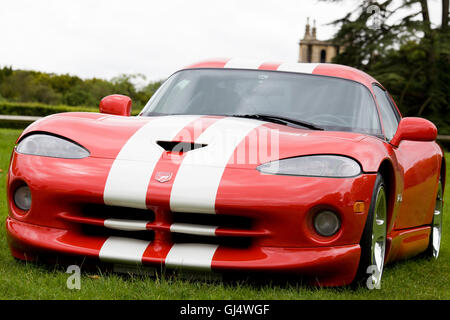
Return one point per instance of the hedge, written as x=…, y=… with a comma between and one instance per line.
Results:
x=42, y=110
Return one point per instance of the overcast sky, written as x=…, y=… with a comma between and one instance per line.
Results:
x=104, y=38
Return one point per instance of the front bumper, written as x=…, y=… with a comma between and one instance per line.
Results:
x=329, y=266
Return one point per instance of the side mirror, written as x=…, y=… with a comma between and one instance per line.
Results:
x=116, y=104
x=414, y=129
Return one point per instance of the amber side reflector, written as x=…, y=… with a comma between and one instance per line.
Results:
x=358, y=207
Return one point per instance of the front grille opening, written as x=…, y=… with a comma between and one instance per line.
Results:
x=99, y=231
x=219, y=220
x=234, y=242
x=104, y=212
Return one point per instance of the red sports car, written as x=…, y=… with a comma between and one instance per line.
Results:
x=234, y=166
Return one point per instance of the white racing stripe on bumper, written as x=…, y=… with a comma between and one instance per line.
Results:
x=131, y=171
x=197, y=180
x=126, y=225
x=199, y=230
x=298, y=67
x=194, y=256
x=125, y=250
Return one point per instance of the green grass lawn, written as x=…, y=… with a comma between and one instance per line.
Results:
x=414, y=279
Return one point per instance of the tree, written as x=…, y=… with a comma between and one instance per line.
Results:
x=48, y=88
x=404, y=51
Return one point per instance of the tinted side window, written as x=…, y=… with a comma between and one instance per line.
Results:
x=389, y=118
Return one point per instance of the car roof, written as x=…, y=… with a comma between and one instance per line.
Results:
x=325, y=69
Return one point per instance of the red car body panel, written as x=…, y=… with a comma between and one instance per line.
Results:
x=280, y=208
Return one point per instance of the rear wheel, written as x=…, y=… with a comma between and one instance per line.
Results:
x=436, y=224
x=373, y=240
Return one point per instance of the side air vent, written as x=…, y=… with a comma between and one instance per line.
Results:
x=177, y=146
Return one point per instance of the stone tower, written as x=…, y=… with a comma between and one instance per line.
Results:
x=313, y=50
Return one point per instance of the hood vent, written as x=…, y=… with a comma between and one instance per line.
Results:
x=178, y=146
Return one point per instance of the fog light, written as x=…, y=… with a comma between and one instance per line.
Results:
x=22, y=198
x=326, y=223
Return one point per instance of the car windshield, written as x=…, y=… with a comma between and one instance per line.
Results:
x=327, y=102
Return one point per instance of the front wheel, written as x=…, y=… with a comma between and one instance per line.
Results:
x=436, y=224
x=373, y=240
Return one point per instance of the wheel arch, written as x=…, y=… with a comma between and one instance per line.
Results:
x=386, y=169
x=443, y=172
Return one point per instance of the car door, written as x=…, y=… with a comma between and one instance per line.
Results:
x=419, y=163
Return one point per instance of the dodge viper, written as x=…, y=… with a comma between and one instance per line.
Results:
x=236, y=166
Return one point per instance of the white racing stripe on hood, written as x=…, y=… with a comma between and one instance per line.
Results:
x=197, y=180
x=131, y=171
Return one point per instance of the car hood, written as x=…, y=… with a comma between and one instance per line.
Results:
x=246, y=143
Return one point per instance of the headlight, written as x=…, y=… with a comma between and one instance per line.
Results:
x=313, y=166
x=51, y=146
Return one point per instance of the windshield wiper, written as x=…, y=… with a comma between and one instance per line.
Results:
x=280, y=120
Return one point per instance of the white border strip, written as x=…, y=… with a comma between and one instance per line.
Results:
x=298, y=67
x=240, y=63
x=199, y=230
x=126, y=225
x=196, y=256
x=117, y=249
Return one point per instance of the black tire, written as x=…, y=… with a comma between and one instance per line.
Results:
x=366, y=274
x=436, y=224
